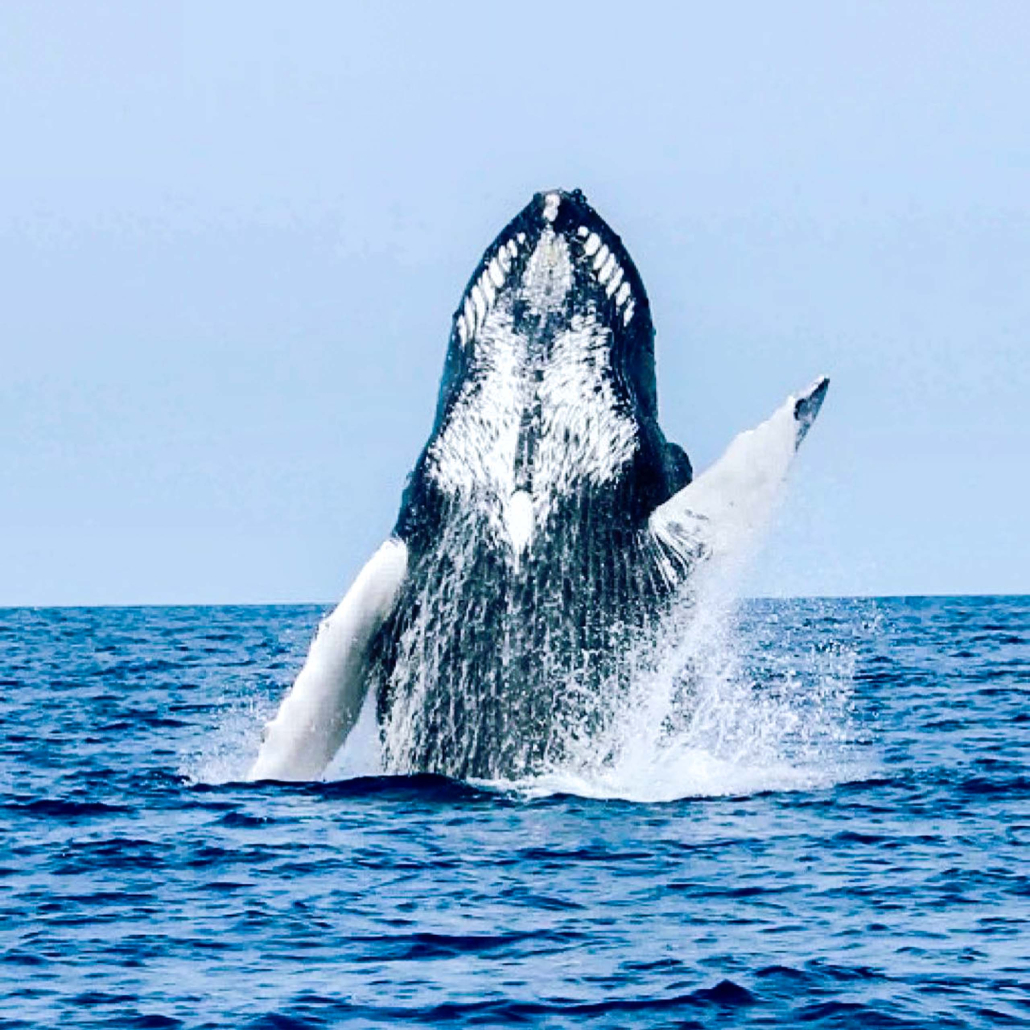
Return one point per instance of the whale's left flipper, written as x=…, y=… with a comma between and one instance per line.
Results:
x=324, y=702
x=711, y=516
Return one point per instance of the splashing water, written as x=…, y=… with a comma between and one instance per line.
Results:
x=732, y=710
x=731, y=707
x=227, y=752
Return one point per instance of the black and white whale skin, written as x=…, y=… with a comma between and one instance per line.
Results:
x=546, y=529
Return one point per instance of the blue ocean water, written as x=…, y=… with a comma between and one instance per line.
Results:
x=850, y=849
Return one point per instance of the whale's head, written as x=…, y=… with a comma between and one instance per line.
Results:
x=556, y=268
x=547, y=400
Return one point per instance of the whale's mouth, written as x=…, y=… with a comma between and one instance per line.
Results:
x=555, y=259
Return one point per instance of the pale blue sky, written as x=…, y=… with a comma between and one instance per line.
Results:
x=232, y=236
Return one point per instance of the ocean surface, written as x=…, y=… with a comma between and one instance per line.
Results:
x=840, y=837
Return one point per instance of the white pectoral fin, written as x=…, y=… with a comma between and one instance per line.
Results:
x=718, y=511
x=323, y=704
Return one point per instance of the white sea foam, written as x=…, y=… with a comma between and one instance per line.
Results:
x=743, y=699
x=227, y=751
x=736, y=712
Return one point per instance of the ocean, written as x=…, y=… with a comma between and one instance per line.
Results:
x=839, y=837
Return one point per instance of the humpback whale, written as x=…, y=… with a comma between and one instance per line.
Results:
x=545, y=533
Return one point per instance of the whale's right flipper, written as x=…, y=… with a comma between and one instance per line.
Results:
x=711, y=516
x=323, y=704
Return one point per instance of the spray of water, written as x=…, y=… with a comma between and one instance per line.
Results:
x=741, y=701
x=226, y=751
x=733, y=709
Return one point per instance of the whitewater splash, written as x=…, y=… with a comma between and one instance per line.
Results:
x=739, y=707
x=736, y=709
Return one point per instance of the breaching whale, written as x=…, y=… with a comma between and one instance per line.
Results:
x=545, y=532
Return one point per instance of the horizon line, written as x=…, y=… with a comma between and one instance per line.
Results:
x=122, y=606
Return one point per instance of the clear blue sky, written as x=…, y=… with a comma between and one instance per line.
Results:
x=232, y=236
